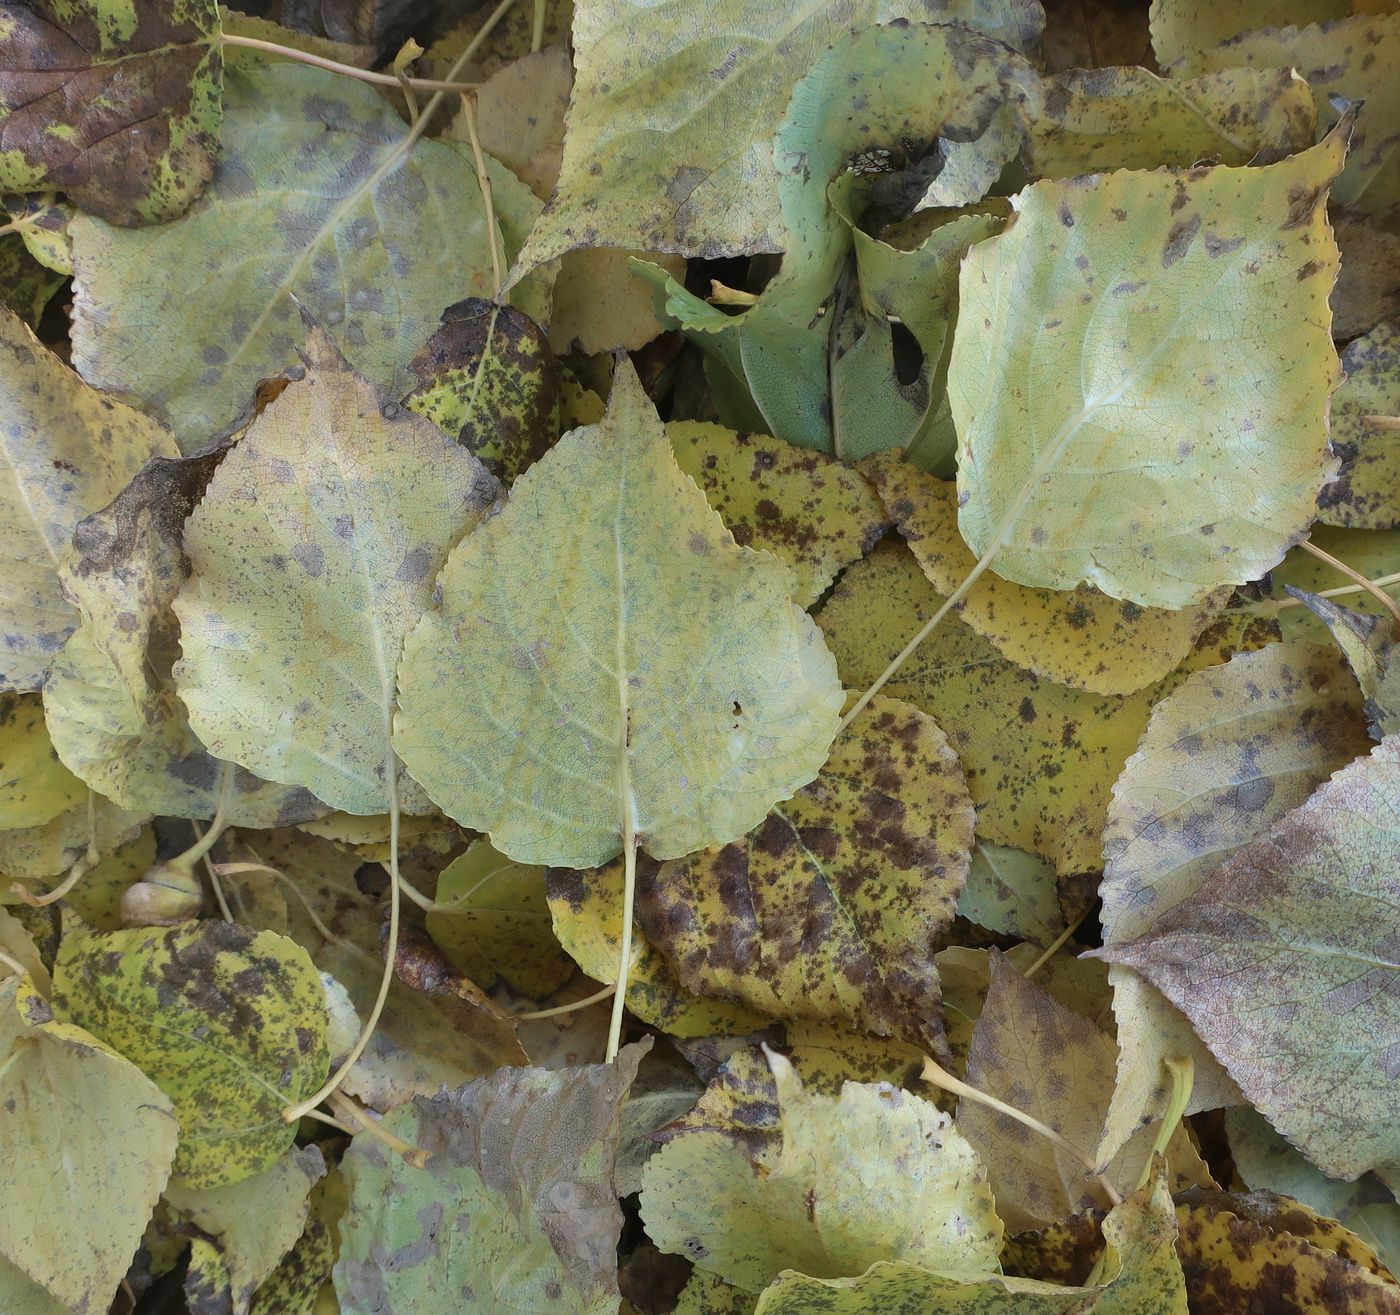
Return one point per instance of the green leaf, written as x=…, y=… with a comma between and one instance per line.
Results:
x=35, y=787
x=1092, y=121
x=1284, y=961
x=874, y=1174
x=1224, y=757
x=295, y=1286
x=706, y=184
x=831, y=908
x=1347, y=60
x=230, y=1025
x=488, y=378
x=665, y=1089
x=491, y=918
x=1012, y=893
x=1183, y=27
x=657, y=682
x=1142, y=1277
x=291, y=626
x=110, y=697
x=26, y=287
x=812, y=511
x=316, y=198
x=516, y=1210
x=254, y=1222
x=1083, y=474
x=113, y=102
x=1040, y=758
x=1078, y=637
x=1364, y=496
x=58, y=468
x=1368, y=643
x=86, y=1144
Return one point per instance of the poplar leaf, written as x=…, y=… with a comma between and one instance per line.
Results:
x=1368, y=643
x=656, y=683
x=35, y=787
x=1364, y=495
x=291, y=630
x=1088, y=473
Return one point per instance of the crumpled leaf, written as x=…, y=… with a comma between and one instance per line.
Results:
x=1369, y=645
x=1055, y=1065
x=252, y=1223
x=489, y=378
x=1224, y=757
x=35, y=786
x=833, y=906
x=1232, y=1263
x=706, y=185
x=1011, y=892
x=113, y=102
x=1366, y=495
x=86, y=1143
x=1078, y=636
x=873, y=1174
x=1040, y=758
x=110, y=697
x=305, y=609
x=656, y=648
x=315, y=197
x=1092, y=121
x=1143, y=1277
x=1284, y=961
x=809, y=509
x=516, y=1210
x=587, y=910
x=230, y=1025
x=1085, y=476
x=491, y=918
x=68, y=451
x=1350, y=59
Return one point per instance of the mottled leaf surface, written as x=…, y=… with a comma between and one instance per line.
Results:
x=291, y=624
x=1285, y=960
x=1011, y=892
x=1366, y=494
x=657, y=682
x=231, y=1026
x=113, y=102
x=1368, y=643
x=833, y=906
x=35, y=786
x=1224, y=757
x=1101, y=440
x=67, y=452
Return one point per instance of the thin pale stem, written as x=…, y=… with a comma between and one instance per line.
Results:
x=722, y=295
x=349, y=70
x=1183, y=1075
x=1356, y=577
x=348, y=1110
x=205, y=841
x=15, y=966
x=1055, y=946
x=464, y=59
x=483, y=179
x=76, y=873
x=233, y=869
x=1341, y=591
x=537, y=30
x=938, y=1076
x=624, y=959
x=391, y=950
x=1382, y=424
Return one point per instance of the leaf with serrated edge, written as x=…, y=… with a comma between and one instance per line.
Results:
x=292, y=622
x=1284, y=960
x=1090, y=339
x=86, y=1144
x=1223, y=758
x=826, y=1205
x=656, y=681
x=832, y=907
x=230, y=1025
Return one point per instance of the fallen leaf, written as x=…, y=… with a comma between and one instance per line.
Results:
x=35, y=786
x=1363, y=496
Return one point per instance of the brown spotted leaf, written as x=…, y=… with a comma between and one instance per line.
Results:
x=1224, y=757
x=115, y=102
x=1287, y=962
x=313, y=552
x=834, y=905
x=1369, y=644
x=1366, y=494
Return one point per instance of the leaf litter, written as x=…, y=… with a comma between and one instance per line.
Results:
x=730, y=658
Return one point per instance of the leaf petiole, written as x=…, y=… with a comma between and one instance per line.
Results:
x=348, y=70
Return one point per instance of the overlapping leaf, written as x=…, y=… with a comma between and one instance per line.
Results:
x=1364, y=494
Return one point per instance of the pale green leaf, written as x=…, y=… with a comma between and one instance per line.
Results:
x=1182, y=27
x=316, y=197
x=114, y=102
x=516, y=1210
x=58, y=468
x=1012, y=893
x=874, y=1174
x=1102, y=439
x=230, y=1025
x=656, y=681
x=291, y=624
x=831, y=908
x=1225, y=756
x=86, y=1144
x=1285, y=961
